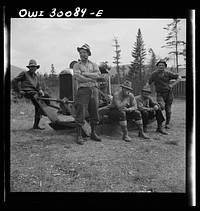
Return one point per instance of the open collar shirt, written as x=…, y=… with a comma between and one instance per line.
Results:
x=89, y=67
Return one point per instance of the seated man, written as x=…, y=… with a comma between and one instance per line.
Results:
x=124, y=107
x=29, y=88
x=149, y=109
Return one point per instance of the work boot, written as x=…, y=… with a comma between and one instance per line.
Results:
x=167, y=126
x=125, y=136
x=141, y=133
x=160, y=129
x=79, y=139
x=36, y=124
x=94, y=136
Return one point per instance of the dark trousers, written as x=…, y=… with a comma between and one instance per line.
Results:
x=87, y=101
x=147, y=115
x=165, y=100
x=30, y=95
x=116, y=115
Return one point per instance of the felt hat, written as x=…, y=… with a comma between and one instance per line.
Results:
x=33, y=63
x=85, y=47
x=127, y=85
x=162, y=61
x=146, y=89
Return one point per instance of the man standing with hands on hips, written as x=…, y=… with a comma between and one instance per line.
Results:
x=161, y=79
x=86, y=74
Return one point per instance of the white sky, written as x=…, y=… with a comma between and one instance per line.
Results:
x=55, y=41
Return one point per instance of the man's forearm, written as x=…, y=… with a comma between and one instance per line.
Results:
x=93, y=76
x=83, y=79
x=177, y=81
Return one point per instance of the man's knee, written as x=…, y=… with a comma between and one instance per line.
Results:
x=137, y=115
x=122, y=116
x=144, y=113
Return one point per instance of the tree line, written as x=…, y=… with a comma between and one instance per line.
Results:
x=139, y=72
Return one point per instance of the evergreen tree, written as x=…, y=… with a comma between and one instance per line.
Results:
x=172, y=40
x=53, y=79
x=138, y=53
x=117, y=58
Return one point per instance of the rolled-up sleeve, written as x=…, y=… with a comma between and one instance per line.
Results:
x=96, y=69
x=76, y=70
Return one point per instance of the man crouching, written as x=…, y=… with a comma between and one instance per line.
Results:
x=124, y=107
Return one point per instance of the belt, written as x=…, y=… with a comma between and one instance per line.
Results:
x=165, y=91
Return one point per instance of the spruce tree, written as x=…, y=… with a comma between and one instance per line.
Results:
x=138, y=53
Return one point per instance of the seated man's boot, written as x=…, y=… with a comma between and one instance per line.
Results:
x=160, y=129
x=125, y=136
x=141, y=133
x=94, y=136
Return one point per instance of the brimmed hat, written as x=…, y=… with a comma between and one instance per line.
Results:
x=146, y=89
x=127, y=85
x=85, y=47
x=162, y=61
x=33, y=63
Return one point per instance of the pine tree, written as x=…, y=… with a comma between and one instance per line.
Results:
x=117, y=58
x=53, y=79
x=138, y=53
x=172, y=40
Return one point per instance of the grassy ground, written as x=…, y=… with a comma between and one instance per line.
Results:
x=51, y=161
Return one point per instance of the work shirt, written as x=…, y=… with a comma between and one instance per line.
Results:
x=88, y=67
x=29, y=82
x=161, y=80
x=145, y=103
x=119, y=101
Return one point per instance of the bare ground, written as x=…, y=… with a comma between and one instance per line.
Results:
x=51, y=161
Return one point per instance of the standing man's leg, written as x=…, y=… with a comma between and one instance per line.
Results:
x=160, y=119
x=94, y=114
x=81, y=104
x=38, y=111
x=168, y=106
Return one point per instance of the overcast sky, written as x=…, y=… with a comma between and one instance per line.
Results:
x=55, y=41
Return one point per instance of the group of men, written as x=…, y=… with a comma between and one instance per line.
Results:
x=124, y=106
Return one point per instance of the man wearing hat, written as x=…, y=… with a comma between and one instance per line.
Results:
x=161, y=79
x=149, y=109
x=86, y=75
x=29, y=87
x=124, y=107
